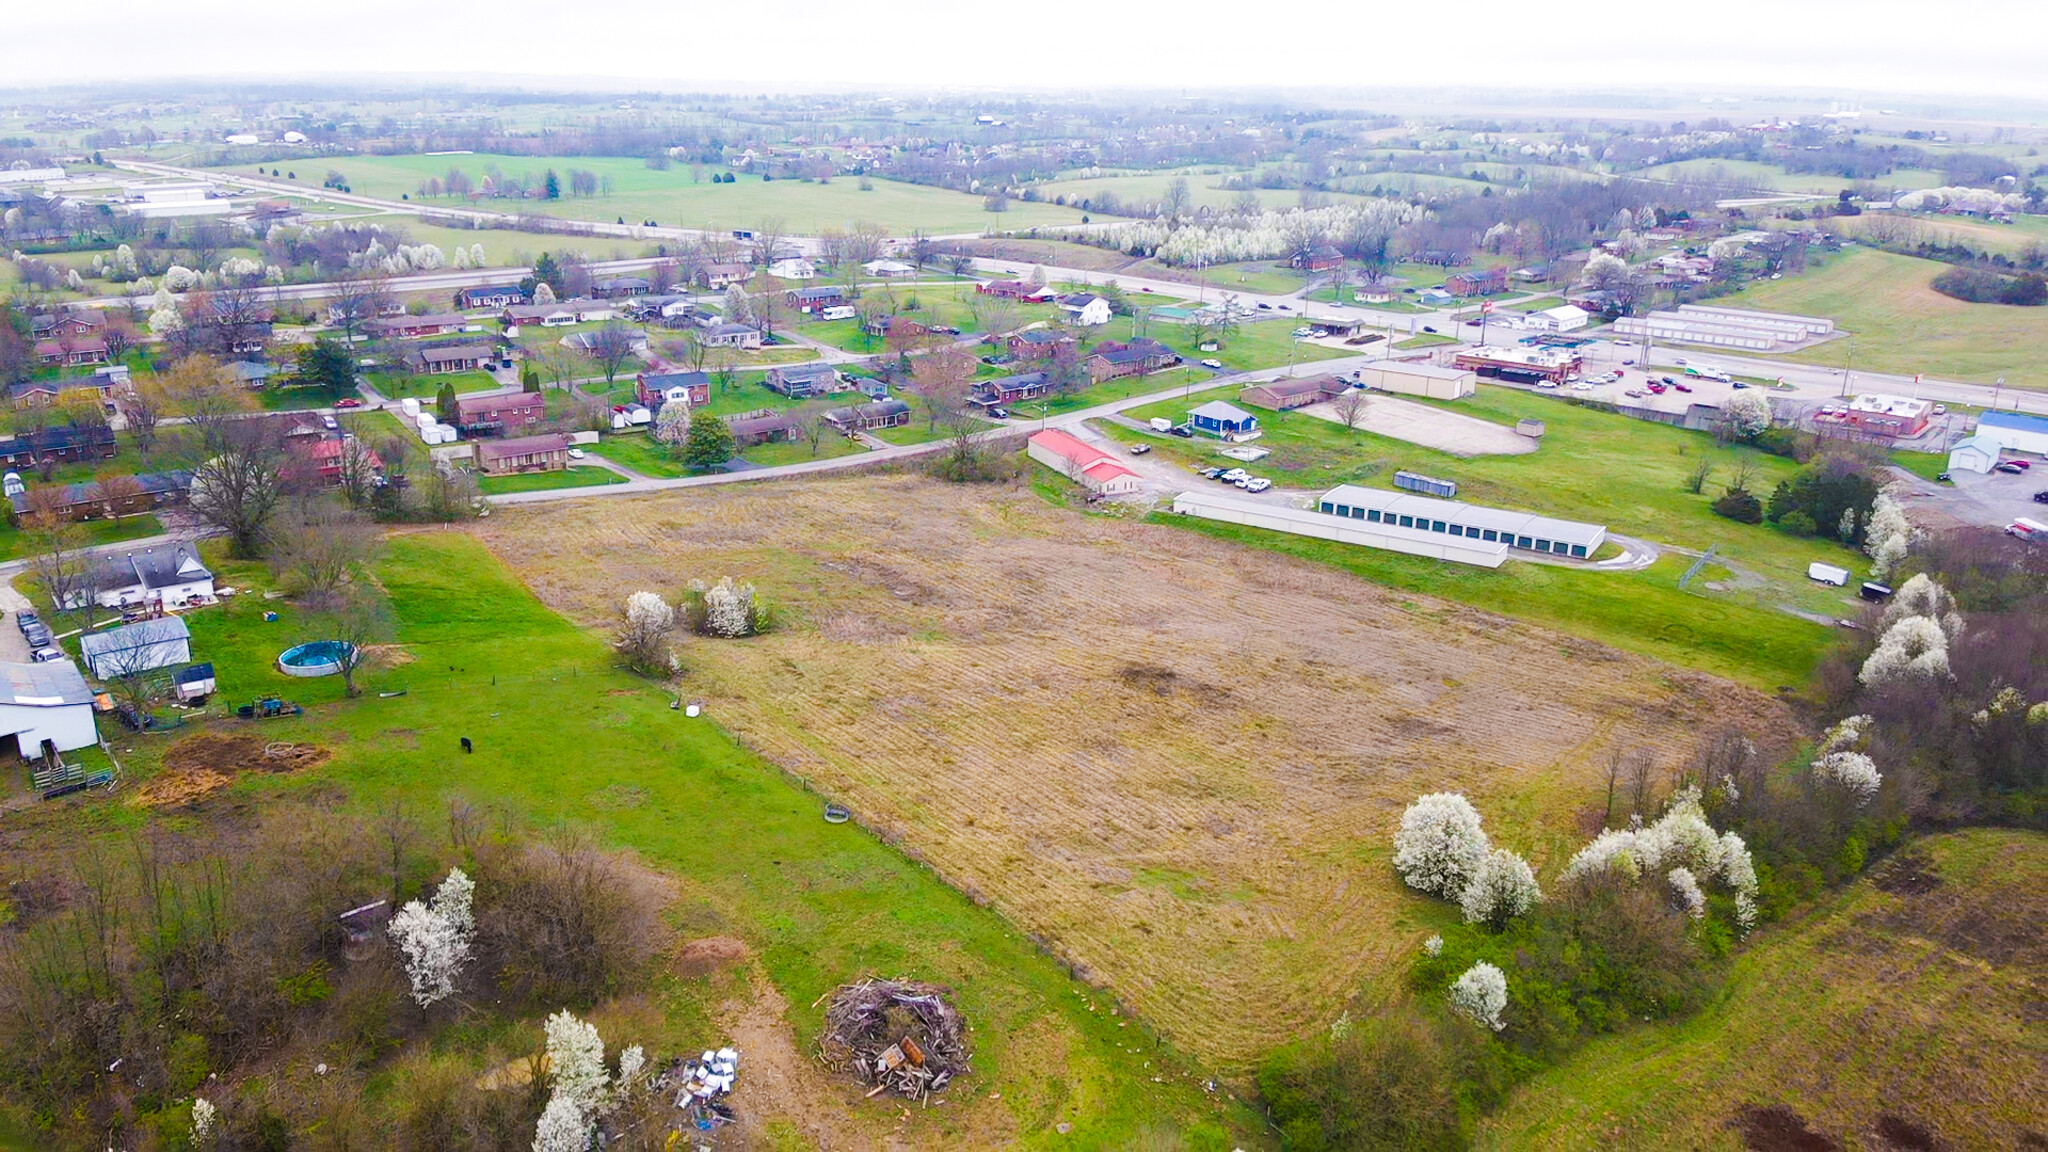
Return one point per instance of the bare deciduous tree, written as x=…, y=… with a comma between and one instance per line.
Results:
x=321, y=549
x=940, y=380
x=1352, y=408
x=358, y=298
x=610, y=347
x=239, y=486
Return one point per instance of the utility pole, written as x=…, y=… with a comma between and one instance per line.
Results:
x=1851, y=359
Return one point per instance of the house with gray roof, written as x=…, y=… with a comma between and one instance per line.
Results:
x=134, y=648
x=48, y=701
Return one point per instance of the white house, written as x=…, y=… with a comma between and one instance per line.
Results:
x=125, y=651
x=794, y=268
x=887, y=269
x=47, y=701
x=1563, y=318
x=170, y=574
x=1086, y=310
x=1977, y=454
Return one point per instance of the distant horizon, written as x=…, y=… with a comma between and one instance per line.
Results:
x=1889, y=51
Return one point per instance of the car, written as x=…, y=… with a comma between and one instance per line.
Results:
x=1301, y=333
x=1738, y=385
x=1257, y=484
x=1628, y=362
x=1234, y=475
x=1941, y=409
x=1679, y=360
x=1659, y=389
x=1140, y=449
x=1265, y=307
x=1000, y=413
x=1582, y=386
x=1287, y=307
x=348, y=402
x=1635, y=393
x=26, y=620
x=1682, y=387
x=1211, y=473
x=1216, y=364
x=1624, y=343
x=37, y=636
x=1944, y=477
x=45, y=655
x=1184, y=432
x=1428, y=329
x=328, y=423
x=945, y=329
x=2024, y=464
x=2041, y=497
x=1142, y=288
x=2012, y=468
x=1668, y=379
x=1471, y=323
x=576, y=453
x=1546, y=383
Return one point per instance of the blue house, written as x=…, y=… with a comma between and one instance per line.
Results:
x=1224, y=421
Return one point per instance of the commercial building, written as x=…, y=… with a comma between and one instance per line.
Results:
x=1520, y=365
x=1419, y=380
x=1299, y=522
x=2016, y=431
x=1524, y=530
x=1083, y=463
x=1294, y=392
x=1889, y=415
x=1726, y=327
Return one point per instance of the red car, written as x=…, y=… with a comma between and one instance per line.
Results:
x=348, y=402
x=1682, y=387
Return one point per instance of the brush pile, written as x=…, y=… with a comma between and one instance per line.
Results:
x=897, y=1035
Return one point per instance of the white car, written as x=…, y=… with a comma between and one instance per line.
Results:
x=576, y=453
x=1234, y=475
x=1216, y=364
x=1582, y=386
x=1301, y=333
x=1546, y=384
x=1257, y=484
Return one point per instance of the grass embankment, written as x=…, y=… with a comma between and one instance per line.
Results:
x=572, y=477
x=563, y=736
x=1898, y=324
x=1912, y=995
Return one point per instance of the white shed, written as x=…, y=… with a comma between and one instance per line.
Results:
x=1977, y=454
x=135, y=648
x=48, y=701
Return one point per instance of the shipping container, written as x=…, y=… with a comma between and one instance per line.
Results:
x=1427, y=485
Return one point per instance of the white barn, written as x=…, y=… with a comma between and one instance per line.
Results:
x=48, y=701
x=142, y=647
x=1976, y=454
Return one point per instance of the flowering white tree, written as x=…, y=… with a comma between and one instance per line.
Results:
x=729, y=609
x=1434, y=946
x=562, y=1128
x=1685, y=892
x=542, y=294
x=1916, y=646
x=1359, y=225
x=179, y=278
x=460, y=259
x=672, y=423
x=203, y=1113
x=1888, y=535
x=1481, y=995
x=1681, y=838
x=1502, y=888
x=739, y=307
x=1921, y=596
x=1748, y=412
x=1843, y=762
x=576, y=1062
x=436, y=937
x=476, y=256
x=1440, y=845
x=644, y=640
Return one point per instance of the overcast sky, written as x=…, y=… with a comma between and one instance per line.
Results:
x=1864, y=50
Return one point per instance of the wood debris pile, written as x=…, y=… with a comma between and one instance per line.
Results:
x=898, y=1035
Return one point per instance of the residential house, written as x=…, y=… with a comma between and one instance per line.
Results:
x=1436, y=298
x=803, y=381
x=875, y=414
x=137, y=648
x=161, y=574
x=887, y=269
x=1016, y=290
x=251, y=373
x=1039, y=343
x=1006, y=390
x=1476, y=282
x=810, y=300
x=91, y=500
x=451, y=358
x=499, y=413
x=557, y=315
x=1224, y=421
x=1085, y=309
x=1288, y=393
x=763, y=427
x=1111, y=359
x=590, y=311
x=1318, y=258
x=490, y=296
x=545, y=453
x=69, y=322
x=745, y=337
x=657, y=388
x=325, y=460
x=100, y=385
x=414, y=327
x=64, y=444
x=337, y=312
x=901, y=331
x=671, y=309
x=616, y=287
x=793, y=268
x=719, y=276
x=1442, y=258
x=46, y=703
x=1085, y=464
x=72, y=351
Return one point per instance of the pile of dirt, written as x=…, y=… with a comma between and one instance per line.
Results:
x=708, y=954
x=898, y=1035
x=1910, y=873
x=201, y=764
x=1777, y=1128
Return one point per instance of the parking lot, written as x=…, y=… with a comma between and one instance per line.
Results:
x=1988, y=501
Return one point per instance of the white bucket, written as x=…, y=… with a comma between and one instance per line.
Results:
x=692, y=710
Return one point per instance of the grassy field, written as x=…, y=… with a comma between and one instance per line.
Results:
x=564, y=738
x=1914, y=996
x=1150, y=187
x=398, y=386
x=1188, y=794
x=1898, y=324
x=1597, y=466
x=15, y=544
x=584, y=476
x=639, y=452
x=671, y=199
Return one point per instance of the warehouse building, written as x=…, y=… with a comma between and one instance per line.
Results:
x=1419, y=380
x=1524, y=530
x=1081, y=462
x=2016, y=431
x=48, y=701
x=1300, y=522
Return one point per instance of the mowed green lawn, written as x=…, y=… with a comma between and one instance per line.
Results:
x=562, y=736
x=16, y=544
x=584, y=476
x=1919, y=1004
x=671, y=199
x=1900, y=325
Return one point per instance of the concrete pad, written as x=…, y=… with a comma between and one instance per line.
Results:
x=1430, y=427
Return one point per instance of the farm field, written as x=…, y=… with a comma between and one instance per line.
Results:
x=576, y=742
x=1759, y=176
x=1913, y=995
x=671, y=199
x=1176, y=762
x=1898, y=324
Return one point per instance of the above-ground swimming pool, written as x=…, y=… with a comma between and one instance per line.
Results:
x=320, y=658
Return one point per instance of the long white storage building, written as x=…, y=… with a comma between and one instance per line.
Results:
x=1300, y=522
x=1468, y=523
x=47, y=701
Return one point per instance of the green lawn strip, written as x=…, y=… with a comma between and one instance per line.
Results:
x=830, y=445
x=586, y=476
x=1425, y=340
x=561, y=735
x=1258, y=345
x=1925, y=465
x=398, y=386
x=1642, y=612
x=639, y=452
x=1262, y=277
x=918, y=431
x=1121, y=388
x=15, y=544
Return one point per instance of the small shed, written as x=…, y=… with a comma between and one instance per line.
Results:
x=1978, y=454
x=194, y=683
x=134, y=648
x=1224, y=421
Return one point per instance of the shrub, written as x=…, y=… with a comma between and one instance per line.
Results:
x=1390, y=1081
x=1440, y=845
x=1741, y=506
x=1502, y=888
x=1798, y=523
x=725, y=609
x=1480, y=995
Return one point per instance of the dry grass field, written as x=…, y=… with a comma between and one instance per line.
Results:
x=1176, y=761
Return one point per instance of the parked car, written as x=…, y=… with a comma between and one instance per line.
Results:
x=45, y=655
x=1941, y=409
x=1301, y=333
x=1257, y=484
x=26, y=619
x=2012, y=468
x=945, y=330
x=1668, y=379
x=1636, y=393
x=348, y=402
x=1184, y=432
x=1234, y=475
x=1582, y=386
x=1682, y=387
x=1140, y=449
x=1659, y=389
x=1000, y=413
x=1428, y=329
x=1211, y=473
x=328, y=423
x=1471, y=323
x=37, y=636
x=1546, y=383
x=1678, y=360
x=2041, y=497
x=1737, y=384
x=576, y=453
x=1624, y=343
x=2023, y=464
x=1216, y=364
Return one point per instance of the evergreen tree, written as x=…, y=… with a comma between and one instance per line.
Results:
x=546, y=271
x=709, y=443
x=326, y=365
x=444, y=404
x=551, y=189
